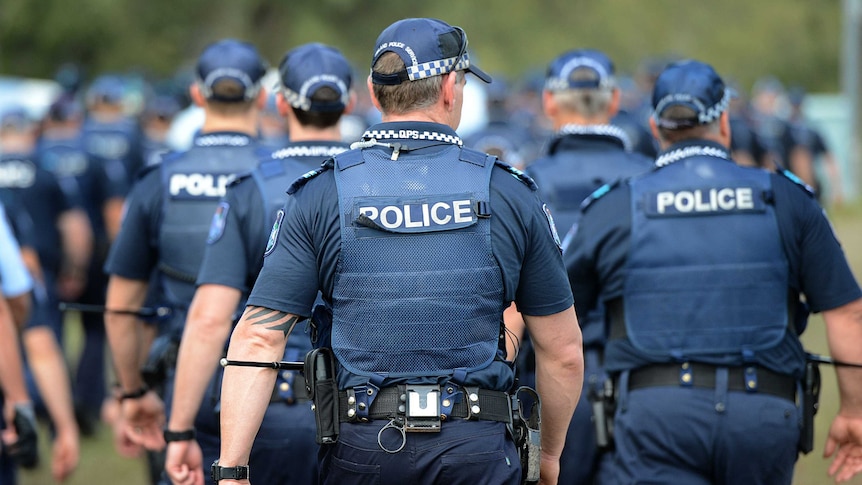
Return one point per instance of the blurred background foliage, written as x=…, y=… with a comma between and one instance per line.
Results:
x=797, y=41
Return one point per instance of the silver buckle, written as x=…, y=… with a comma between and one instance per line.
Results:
x=422, y=411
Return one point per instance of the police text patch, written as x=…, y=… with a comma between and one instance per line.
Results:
x=198, y=185
x=407, y=215
x=705, y=201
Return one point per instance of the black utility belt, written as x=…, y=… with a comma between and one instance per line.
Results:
x=695, y=374
x=300, y=393
x=393, y=403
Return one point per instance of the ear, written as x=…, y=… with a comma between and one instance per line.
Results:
x=614, y=106
x=549, y=104
x=281, y=104
x=371, y=94
x=261, y=98
x=448, y=94
x=724, y=128
x=196, y=95
x=654, y=129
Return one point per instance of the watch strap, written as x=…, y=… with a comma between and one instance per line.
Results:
x=186, y=435
x=239, y=472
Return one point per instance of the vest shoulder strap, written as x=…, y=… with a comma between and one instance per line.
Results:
x=329, y=164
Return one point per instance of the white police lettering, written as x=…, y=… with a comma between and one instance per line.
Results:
x=222, y=140
x=420, y=215
x=17, y=174
x=198, y=184
x=713, y=200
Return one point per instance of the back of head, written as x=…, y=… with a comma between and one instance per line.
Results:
x=106, y=90
x=316, y=80
x=229, y=72
x=688, y=99
x=410, y=58
x=582, y=81
x=65, y=109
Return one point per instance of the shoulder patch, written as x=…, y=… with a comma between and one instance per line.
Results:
x=552, y=226
x=599, y=193
x=298, y=183
x=218, y=222
x=273, y=234
x=518, y=174
x=798, y=181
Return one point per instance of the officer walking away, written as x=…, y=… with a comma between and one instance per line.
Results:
x=580, y=98
x=18, y=438
x=701, y=265
x=167, y=221
x=315, y=91
x=409, y=236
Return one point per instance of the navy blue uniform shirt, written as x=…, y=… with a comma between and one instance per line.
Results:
x=818, y=269
x=308, y=244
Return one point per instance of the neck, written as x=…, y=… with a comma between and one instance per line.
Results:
x=577, y=119
x=244, y=123
x=299, y=132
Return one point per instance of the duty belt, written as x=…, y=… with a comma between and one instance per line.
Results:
x=695, y=374
x=391, y=402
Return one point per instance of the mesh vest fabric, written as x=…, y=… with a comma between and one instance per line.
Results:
x=706, y=272
x=419, y=304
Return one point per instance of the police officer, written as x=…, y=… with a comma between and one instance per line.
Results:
x=409, y=237
x=167, y=220
x=580, y=99
x=15, y=287
x=701, y=264
x=315, y=91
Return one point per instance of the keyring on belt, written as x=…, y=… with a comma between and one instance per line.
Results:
x=392, y=424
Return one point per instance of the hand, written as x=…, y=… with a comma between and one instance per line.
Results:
x=845, y=436
x=24, y=446
x=112, y=415
x=65, y=454
x=549, y=470
x=144, y=420
x=184, y=463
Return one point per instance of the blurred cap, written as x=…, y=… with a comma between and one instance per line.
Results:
x=309, y=67
x=230, y=70
x=428, y=47
x=108, y=88
x=15, y=118
x=580, y=69
x=694, y=85
x=65, y=108
x=162, y=106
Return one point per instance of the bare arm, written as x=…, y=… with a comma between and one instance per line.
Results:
x=844, y=334
x=124, y=331
x=514, y=331
x=559, y=378
x=11, y=369
x=77, y=241
x=48, y=366
x=260, y=335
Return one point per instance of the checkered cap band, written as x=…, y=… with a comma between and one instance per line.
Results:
x=411, y=135
x=302, y=100
x=705, y=114
x=562, y=82
x=436, y=68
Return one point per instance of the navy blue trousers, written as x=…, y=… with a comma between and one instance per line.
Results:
x=698, y=436
x=462, y=453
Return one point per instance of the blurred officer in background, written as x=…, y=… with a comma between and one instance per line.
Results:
x=374, y=230
x=701, y=265
x=111, y=136
x=580, y=98
x=315, y=91
x=159, y=112
x=18, y=439
x=167, y=219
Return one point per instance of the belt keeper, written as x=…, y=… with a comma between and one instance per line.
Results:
x=364, y=397
x=351, y=404
x=685, y=377
x=449, y=395
x=472, y=401
x=750, y=375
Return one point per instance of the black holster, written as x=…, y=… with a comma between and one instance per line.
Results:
x=603, y=405
x=526, y=432
x=162, y=358
x=322, y=388
x=809, y=405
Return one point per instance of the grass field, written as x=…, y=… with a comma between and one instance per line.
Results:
x=101, y=465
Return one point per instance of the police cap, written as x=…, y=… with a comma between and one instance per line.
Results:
x=694, y=85
x=230, y=70
x=562, y=71
x=309, y=67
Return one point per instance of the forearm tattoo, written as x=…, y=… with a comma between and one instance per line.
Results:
x=266, y=316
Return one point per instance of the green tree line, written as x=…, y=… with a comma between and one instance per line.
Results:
x=797, y=41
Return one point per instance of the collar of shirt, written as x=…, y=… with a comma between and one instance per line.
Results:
x=222, y=139
x=323, y=149
x=604, y=133
x=691, y=148
x=415, y=134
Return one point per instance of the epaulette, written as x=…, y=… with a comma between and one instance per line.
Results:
x=518, y=174
x=798, y=181
x=599, y=193
x=143, y=171
x=298, y=183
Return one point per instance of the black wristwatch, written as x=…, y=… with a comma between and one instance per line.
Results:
x=229, y=472
x=186, y=435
